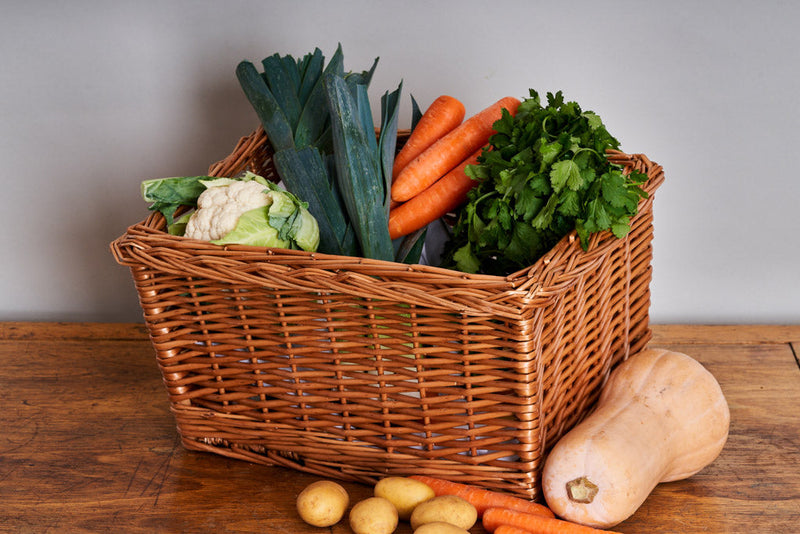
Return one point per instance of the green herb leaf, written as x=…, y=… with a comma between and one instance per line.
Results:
x=564, y=173
x=546, y=174
x=466, y=260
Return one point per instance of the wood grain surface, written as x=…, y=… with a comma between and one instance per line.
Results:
x=88, y=443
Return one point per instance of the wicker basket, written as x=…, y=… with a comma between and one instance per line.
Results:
x=355, y=369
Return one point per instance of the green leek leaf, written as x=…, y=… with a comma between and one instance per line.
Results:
x=390, y=111
x=409, y=248
x=315, y=117
x=354, y=79
x=305, y=173
x=292, y=74
x=269, y=112
x=358, y=173
x=282, y=87
x=311, y=70
x=416, y=113
x=365, y=116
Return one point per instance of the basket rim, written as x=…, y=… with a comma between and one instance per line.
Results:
x=154, y=226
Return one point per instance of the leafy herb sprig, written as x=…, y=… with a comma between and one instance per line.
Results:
x=544, y=173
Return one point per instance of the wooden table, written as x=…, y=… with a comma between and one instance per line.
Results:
x=88, y=444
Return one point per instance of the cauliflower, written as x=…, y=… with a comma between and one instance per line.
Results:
x=220, y=206
x=249, y=211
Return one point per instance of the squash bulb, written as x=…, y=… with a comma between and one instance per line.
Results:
x=660, y=417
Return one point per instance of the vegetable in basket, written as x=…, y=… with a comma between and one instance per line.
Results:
x=442, y=116
x=318, y=121
x=544, y=174
x=434, y=182
x=450, y=150
x=249, y=210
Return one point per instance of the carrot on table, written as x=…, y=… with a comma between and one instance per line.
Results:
x=444, y=114
x=450, y=150
x=495, y=518
x=446, y=194
x=483, y=499
x=506, y=529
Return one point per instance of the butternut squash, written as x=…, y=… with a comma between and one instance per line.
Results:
x=660, y=417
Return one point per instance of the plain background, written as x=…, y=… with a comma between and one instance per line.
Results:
x=98, y=96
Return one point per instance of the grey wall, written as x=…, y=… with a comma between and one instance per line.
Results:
x=97, y=96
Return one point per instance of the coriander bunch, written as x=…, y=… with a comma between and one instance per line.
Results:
x=544, y=173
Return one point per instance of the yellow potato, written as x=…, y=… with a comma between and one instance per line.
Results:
x=445, y=509
x=439, y=527
x=322, y=503
x=374, y=515
x=404, y=493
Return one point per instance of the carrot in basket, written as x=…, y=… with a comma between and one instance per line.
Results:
x=483, y=499
x=444, y=114
x=503, y=520
x=450, y=150
x=446, y=194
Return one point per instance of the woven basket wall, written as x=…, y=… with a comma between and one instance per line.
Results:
x=356, y=369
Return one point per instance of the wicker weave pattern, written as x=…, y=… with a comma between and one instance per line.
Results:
x=354, y=368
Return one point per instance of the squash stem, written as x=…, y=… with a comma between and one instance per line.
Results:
x=582, y=490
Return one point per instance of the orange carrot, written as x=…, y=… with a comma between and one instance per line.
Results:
x=444, y=114
x=506, y=529
x=446, y=194
x=442, y=156
x=483, y=499
x=495, y=518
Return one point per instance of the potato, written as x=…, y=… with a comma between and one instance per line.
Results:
x=374, y=515
x=439, y=527
x=322, y=503
x=404, y=493
x=447, y=509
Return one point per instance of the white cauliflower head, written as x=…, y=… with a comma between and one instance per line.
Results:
x=220, y=206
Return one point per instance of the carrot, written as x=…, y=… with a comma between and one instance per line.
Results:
x=483, y=499
x=444, y=114
x=442, y=156
x=494, y=519
x=506, y=529
x=446, y=194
